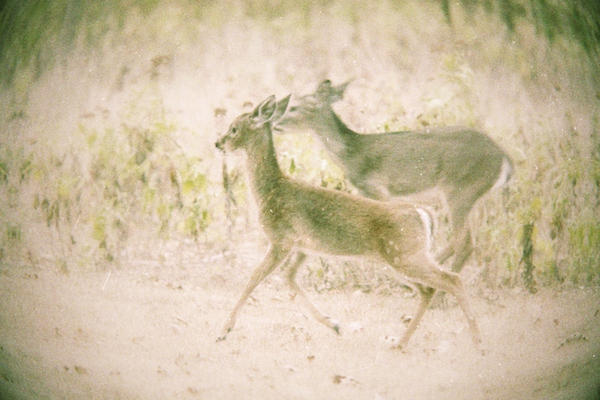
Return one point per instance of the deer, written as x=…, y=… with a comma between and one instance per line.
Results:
x=299, y=219
x=463, y=163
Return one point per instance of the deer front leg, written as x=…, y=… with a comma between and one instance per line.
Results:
x=300, y=293
x=275, y=256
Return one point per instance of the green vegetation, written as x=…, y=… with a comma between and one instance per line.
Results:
x=111, y=110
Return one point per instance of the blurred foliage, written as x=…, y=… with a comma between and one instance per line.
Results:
x=143, y=178
x=306, y=159
x=552, y=19
x=24, y=46
x=128, y=177
x=27, y=51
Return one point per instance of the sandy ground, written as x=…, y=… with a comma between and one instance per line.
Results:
x=148, y=332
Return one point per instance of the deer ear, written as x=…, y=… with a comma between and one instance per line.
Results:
x=337, y=93
x=331, y=94
x=265, y=110
x=280, y=110
x=324, y=88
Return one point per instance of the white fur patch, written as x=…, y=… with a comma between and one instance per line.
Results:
x=505, y=173
x=428, y=223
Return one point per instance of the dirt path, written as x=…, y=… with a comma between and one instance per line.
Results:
x=149, y=333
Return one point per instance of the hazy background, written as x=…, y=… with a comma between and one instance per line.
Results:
x=110, y=111
x=126, y=237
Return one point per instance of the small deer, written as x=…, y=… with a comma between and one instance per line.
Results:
x=462, y=162
x=299, y=218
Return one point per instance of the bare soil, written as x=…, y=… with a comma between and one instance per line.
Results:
x=148, y=332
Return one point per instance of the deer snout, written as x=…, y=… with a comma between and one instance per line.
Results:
x=220, y=144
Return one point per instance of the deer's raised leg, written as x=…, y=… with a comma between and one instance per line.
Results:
x=275, y=257
x=293, y=269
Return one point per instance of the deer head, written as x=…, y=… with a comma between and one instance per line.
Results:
x=250, y=126
x=312, y=107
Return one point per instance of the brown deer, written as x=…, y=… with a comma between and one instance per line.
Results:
x=298, y=217
x=463, y=163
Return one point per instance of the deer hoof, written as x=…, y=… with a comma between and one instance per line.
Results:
x=221, y=338
x=335, y=325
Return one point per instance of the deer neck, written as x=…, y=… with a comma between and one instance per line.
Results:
x=263, y=168
x=335, y=135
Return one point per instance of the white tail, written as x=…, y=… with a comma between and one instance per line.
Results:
x=462, y=162
x=298, y=217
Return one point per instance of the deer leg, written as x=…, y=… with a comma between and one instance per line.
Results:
x=299, y=292
x=426, y=296
x=275, y=256
x=460, y=246
x=463, y=250
x=461, y=243
x=450, y=282
x=429, y=277
x=460, y=206
x=459, y=292
x=446, y=253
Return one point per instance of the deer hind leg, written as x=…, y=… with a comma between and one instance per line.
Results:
x=446, y=253
x=461, y=242
x=451, y=282
x=429, y=277
x=275, y=257
x=426, y=296
x=293, y=269
x=461, y=246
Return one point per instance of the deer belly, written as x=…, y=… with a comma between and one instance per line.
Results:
x=335, y=240
x=383, y=187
